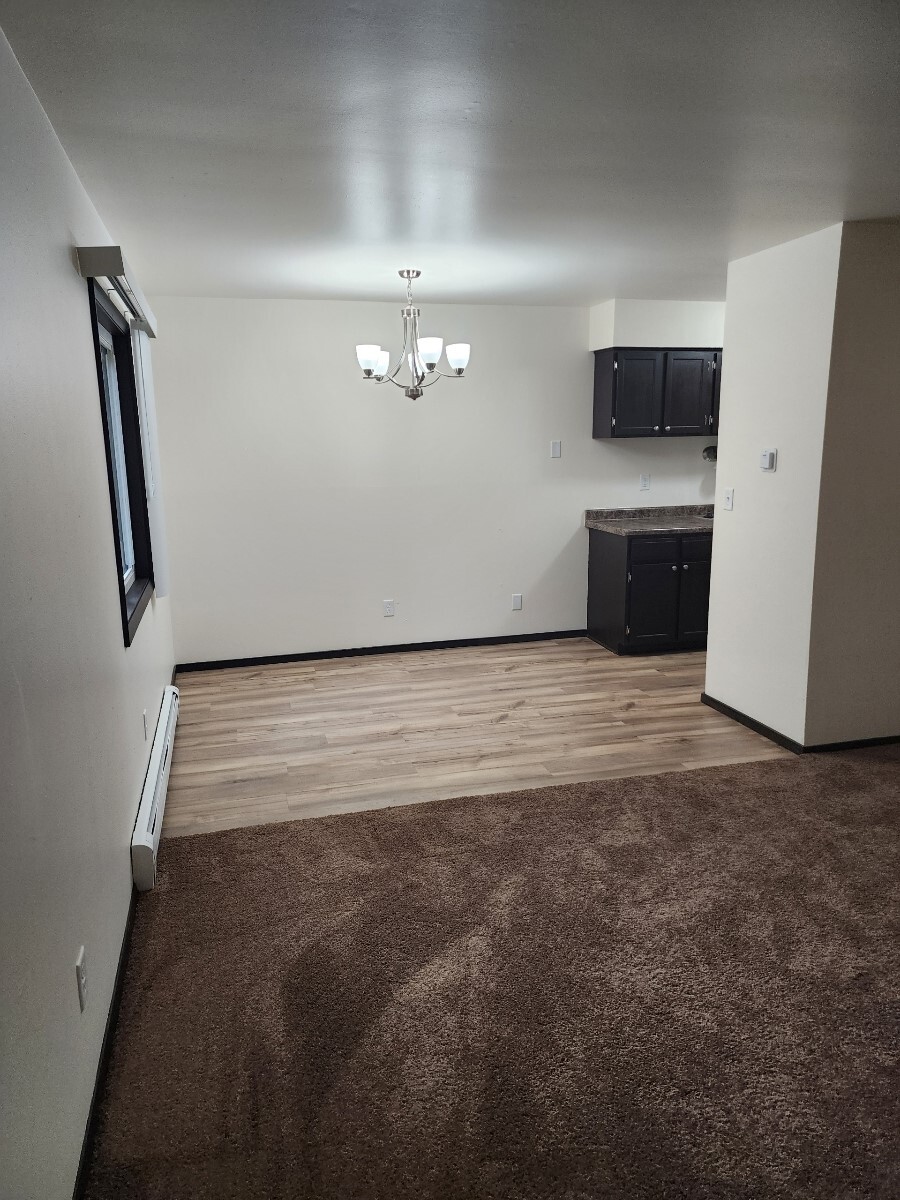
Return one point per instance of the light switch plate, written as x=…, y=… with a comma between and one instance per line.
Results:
x=728, y=500
x=645, y=483
x=517, y=601
x=768, y=460
x=556, y=449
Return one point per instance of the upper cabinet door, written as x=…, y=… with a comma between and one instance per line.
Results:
x=717, y=391
x=638, y=393
x=689, y=392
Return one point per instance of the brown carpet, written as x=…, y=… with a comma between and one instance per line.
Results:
x=680, y=985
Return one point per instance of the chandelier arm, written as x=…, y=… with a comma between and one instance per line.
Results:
x=392, y=378
x=420, y=373
x=407, y=341
x=439, y=375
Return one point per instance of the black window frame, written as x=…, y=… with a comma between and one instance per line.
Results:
x=135, y=600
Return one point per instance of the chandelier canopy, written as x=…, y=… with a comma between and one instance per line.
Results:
x=420, y=355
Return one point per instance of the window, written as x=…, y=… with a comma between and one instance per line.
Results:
x=117, y=453
x=124, y=458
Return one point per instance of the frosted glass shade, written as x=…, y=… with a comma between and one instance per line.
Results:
x=458, y=355
x=382, y=363
x=430, y=351
x=367, y=356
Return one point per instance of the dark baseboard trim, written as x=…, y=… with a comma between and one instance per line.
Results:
x=789, y=744
x=856, y=744
x=312, y=655
x=757, y=726
x=112, y=1017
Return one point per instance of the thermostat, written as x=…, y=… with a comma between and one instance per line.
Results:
x=767, y=460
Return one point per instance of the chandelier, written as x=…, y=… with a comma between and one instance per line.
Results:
x=421, y=355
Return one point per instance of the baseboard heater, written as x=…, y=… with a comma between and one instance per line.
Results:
x=148, y=826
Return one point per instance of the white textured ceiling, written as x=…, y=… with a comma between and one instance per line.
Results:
x=515, y=151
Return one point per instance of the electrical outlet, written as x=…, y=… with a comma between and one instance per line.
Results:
x=388, y=608
x=556, y=449
x=81, y=979
x=517, y=601
x=645, y=483
x=145, y=724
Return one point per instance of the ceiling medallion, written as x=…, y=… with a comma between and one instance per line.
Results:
x=420, y=355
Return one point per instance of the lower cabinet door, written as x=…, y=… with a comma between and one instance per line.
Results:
x=693, y=607
x=653, y=603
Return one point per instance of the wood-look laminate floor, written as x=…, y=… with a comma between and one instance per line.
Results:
x=279, y=742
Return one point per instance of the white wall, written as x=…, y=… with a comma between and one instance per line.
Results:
x=689, y=323
x=854, y=670
x=71, y=696
x=299, y=496
x=780, y=308
x=602, y=326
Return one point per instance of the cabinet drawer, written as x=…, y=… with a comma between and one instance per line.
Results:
x=696, y=547
x=652, y=549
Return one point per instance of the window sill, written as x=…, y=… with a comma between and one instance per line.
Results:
x=136, y=600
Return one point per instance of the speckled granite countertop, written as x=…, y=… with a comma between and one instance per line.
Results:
x=629, y=522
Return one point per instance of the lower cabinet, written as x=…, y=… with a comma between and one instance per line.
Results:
x=648, y=593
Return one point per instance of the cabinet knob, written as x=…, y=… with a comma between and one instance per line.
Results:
x=668, y=427
x=674, y=568
x=684, y=566
x=655, y=428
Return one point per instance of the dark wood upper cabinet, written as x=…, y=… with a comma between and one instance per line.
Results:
x=648, y=392
x=638, y=392
x=689, y=392
x=717, y=392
